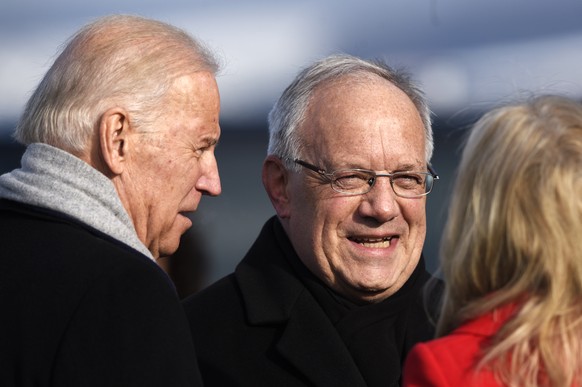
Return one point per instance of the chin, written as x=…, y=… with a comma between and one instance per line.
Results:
x=376, y=291
x=169, y=247
x=368, y=297
x=364, y=292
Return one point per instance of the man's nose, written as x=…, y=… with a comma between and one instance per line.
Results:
x=381, y=202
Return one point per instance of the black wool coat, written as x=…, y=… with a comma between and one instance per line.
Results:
x=80, y=309
x=260, y=326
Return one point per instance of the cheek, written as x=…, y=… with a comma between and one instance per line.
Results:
x=154, y=178
x=340, y=210
x=333, y=219
x=180, y=175
x=415, y=216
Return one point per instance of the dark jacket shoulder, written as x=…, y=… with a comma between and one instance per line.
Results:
x=86, y=309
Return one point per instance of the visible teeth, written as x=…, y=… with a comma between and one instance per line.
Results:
x=374, y=243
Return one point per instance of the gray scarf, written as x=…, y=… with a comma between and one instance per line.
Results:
x=54, y=179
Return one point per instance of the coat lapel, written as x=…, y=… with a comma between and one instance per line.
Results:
x=273, y=295
x=313, y=346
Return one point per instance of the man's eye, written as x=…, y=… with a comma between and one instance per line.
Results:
x=200, y=151
x=408, y=180
x=351, y=179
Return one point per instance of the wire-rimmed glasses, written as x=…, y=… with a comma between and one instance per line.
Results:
x=406, y=184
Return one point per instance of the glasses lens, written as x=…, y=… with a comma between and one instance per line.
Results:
x=412, y=184
x=352, y=181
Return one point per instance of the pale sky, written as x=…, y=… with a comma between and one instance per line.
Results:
x=466, y=53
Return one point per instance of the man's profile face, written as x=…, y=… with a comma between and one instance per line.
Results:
x=362, y=246
x=174, y=165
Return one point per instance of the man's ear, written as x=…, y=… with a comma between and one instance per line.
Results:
x=275, y=180
x=113, y=134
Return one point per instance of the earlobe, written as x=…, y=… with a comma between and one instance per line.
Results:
x=113, y=133
x=275, y=180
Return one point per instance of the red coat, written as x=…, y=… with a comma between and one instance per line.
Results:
x=451, y=360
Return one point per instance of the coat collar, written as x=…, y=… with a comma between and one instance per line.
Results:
x=273, y=295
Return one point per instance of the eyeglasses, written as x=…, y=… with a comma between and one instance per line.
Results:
x=406, y=184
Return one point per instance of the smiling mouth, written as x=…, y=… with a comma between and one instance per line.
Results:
x=378, y=243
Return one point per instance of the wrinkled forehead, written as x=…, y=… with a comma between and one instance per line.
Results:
x=369, y=121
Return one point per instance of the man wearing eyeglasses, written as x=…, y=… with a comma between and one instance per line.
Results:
x=331, y=292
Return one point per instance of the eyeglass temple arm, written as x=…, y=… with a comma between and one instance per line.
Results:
x=433, y=173
x=311, y=167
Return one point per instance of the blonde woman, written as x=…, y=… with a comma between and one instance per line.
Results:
x=512, y=255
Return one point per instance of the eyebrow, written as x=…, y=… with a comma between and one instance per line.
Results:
x=410, y=167
x=209, y=141
x=399, y=168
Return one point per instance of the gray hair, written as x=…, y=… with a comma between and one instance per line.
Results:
x=290, y=109
x=118, y=60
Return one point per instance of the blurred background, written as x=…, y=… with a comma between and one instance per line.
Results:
x=468, y=55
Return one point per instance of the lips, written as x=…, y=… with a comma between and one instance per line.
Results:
x=377, y=243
